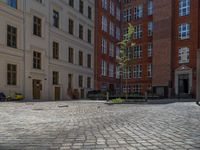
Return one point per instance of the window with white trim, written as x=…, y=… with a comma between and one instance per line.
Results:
x=150, y=28
x=111, y=70
x=149, y=50
x=137, y=51
x=127, y=15
x=103, y=68
x=184, y=31
x=111, y=50
x=184, y=55
x=149, y=70
x=137, y=71
x=112, y=29
x=150, y=7
x=138, y=12
x=103, y=45
x=104, y=23
x=184, y=7
x=104, y=4
x=112, y=8
x=137, y=31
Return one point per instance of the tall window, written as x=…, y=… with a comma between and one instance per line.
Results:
x=55, y=78
x=11, y=74
x=71, y=3
x=71, y=26
x=55, y=50
x=118, y=13
x=111, y=50
x=112, y=8
x=80, y=31
x=137, y=88
x=103, y=46
x=88, y=82
x=104, y=23
x=137, y=71
x=138, y=12
x=150, y=7
x=55, y=18
x=127, y=15
x=184, y=31
x=111, y=70
x=12, y=3
x=112, y=29
x=70, y=81
x=37, y=26
x=104, y=4
x=81, y=6
x=149, y=50
x=80, y=58
x=89, y=36
x=150, y=28
x=11, y=36
x=184, y=7
x=184, y=55
x=137, y=51
x=80, y=81
x=89, y=61
x=103, y=68
x=36, y=60
x=118, y=33
x=149, y=70
x=71, y=55
x=89, y=12
x=137, y=31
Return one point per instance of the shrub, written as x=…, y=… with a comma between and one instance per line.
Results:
x=118, y=100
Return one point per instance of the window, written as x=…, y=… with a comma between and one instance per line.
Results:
x=12, y=3
x=71, y=3
x=103, y=68
x=104, y=46
x=137, y=31
x=89, y=36
x=11, y=36
x=184, y=7
x=124, y=73
x=71, y=26
x=81, y=6
x=11, y=74
x=127, y=15
x=118, y=72
x=150, y=28
x=118, y=14
x=150, y=7
x=36, y=60
x=137, y=88
x=138, y=12
x=117, y=52
x=125, y=34
x=80, y=31
x=128, y=53
x=118, y=33
x=111, y=70
x=137, y=71
x=80, y=58
x=80, y=81
x=112, y=29
x=184, y=55
x=88, y=82
x=111, y=50
x=184, y=31
x=89, y=61
x=137, y=51
x=89, y=12
x=150, y=47
x=104, y=4
x=71, y=55
x=104, y=23
x=55, y=78
x=55, y=50
x=149, y=70
x=112, y=8
x=55, y=18
x=70, y=81
x=37, y=26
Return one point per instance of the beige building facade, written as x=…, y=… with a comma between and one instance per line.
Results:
x=47, y=48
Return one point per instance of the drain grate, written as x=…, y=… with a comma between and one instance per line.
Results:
x=39, y=109
x=63, y=106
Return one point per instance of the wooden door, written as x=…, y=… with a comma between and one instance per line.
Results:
x=36, y=89
x=57, y=93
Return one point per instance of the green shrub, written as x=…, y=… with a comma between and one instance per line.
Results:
x=118, y=100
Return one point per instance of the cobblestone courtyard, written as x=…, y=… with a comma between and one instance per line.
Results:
x=94, y=125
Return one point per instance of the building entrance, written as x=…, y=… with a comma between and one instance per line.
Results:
x=37, y=89
x=184, y=84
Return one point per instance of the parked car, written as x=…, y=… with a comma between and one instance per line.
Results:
x=15, y=96
x=96, y=95
x=2, y=96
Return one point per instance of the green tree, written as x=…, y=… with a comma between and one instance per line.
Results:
x=123, y=59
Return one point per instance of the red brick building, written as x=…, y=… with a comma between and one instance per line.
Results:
x=166, y=40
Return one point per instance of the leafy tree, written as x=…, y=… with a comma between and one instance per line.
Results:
x=123, y=60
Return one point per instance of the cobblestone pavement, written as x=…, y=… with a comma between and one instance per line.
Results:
x=94, y=125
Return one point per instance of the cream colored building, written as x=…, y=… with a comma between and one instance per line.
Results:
x=47, y=48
